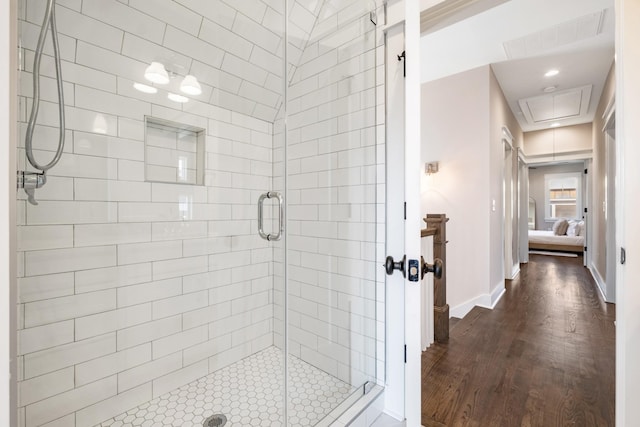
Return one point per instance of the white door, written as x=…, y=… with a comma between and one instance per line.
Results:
x=413, y=223
x=403, y=384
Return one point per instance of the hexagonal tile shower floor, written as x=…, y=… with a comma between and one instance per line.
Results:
x=248, y=393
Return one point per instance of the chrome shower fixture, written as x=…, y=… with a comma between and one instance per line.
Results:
x=30, y=181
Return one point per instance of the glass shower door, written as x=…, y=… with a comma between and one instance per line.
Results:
x=331, y=202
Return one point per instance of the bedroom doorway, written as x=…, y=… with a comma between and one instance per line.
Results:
x=559, y=193
x=510, y=213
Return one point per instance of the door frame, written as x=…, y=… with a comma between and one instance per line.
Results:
x=627, y=72
x=523, y=208
x=8, y=261
x=610, y=198
x=508, y=199
x=627, y=207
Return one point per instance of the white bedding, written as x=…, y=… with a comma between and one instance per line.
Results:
x=547, y=237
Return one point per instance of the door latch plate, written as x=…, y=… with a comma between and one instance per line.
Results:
x=414, y=270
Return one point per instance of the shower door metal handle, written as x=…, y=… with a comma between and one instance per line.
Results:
x=261, y=199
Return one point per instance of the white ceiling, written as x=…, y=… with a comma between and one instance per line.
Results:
x=572, y=36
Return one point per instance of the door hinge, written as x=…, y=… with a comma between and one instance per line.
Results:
x=586, y=171
x=586, y=210
x=585, y=249
x=405, y=210
x=405, y=353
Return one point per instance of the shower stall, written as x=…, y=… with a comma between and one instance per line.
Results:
x=208, y=249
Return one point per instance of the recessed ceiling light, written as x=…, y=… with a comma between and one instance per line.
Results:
x=554, y=125
x=551, y=73
x=549, y=89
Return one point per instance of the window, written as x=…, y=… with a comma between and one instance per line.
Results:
x=563, y=196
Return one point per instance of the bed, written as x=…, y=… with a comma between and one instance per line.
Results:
x=546, y=240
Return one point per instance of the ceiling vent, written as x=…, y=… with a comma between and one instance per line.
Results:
x=582, y=28
x=566, y=104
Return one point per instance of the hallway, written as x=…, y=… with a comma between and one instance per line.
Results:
x=545, y=356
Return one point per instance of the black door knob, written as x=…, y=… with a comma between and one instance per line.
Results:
x=389, y=266
x=435, y=268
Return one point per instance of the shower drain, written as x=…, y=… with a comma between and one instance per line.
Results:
x=217, y=420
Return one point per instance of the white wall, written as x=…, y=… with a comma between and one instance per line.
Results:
x=455, y=123
x=462, y=118
x=559, y=143
x=601, y=183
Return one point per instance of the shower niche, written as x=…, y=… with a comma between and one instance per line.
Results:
x=174, y=152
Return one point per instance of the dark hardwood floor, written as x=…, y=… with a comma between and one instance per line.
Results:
x=545, y=356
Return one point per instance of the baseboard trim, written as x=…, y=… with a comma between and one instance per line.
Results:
x=485, y=301
x=514, y=272
x=600, y=282
x=463, y=309
x=497, y=294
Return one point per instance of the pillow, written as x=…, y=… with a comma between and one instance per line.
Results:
x=560, y=227
x=580, y=229
x=573, y=229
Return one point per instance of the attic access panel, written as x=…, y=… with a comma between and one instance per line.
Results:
x=566, y=104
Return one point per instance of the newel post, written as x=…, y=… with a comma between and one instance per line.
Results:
x=440, y=306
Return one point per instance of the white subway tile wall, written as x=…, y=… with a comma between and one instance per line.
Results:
x=129, y=289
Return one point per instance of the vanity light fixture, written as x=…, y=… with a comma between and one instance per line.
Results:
x=156, y=73
x=190, y=85
x=144, y=88
x=177, y=98
x=430, y=168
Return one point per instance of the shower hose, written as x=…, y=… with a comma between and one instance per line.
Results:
x=49, y=20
